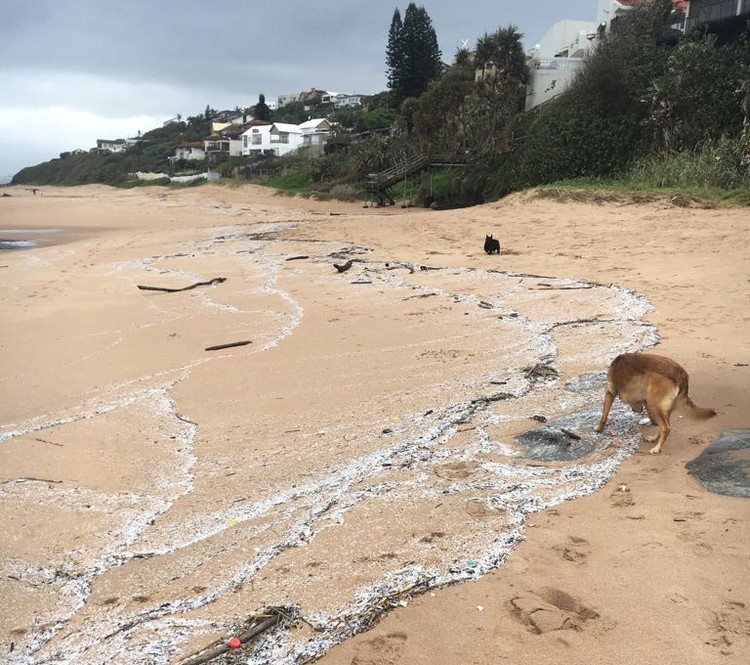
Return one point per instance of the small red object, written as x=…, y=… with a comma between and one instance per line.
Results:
x=234, y=643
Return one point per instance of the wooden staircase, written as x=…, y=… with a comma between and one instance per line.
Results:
x=379, y=184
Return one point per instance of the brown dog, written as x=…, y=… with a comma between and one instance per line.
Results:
x=657, y=382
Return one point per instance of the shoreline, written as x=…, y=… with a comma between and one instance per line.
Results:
x=384, y=237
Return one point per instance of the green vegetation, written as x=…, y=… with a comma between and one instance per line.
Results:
x=645, y=115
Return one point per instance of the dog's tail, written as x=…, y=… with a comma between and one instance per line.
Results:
x=699, y=412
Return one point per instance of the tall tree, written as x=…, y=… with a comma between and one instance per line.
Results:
x=394, y=51
x=499, y=93
x=413, y=55
x=261, y=111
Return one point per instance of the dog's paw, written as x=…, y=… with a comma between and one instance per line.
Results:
x=655, y=450
x=650, y=438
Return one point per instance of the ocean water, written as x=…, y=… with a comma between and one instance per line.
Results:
x=12, y=243
x=427, y=480
x=11, y=239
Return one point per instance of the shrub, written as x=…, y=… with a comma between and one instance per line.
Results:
x=715, y=164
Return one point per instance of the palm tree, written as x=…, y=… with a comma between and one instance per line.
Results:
x=484, y=52
x=498, y=95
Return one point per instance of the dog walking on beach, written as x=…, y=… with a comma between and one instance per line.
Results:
x=657, y=382
x=491, y=245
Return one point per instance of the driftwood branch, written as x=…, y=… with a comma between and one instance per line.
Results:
x=210, y=282
x=51, y=443
x=229, y=345
x=297, y=258
x=255, y=630
x=560, y=288
x=29, y=478
x=344, y=267
x=572, y=435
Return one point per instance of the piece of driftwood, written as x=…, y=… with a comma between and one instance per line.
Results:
x=30, y=478
x=51, y=443
x=560, y=288
x=572, y=435
x=344, y=267
x=539, y=371
x=228, y=345
x=210, y=282
x=256, y=629
x=297, y=258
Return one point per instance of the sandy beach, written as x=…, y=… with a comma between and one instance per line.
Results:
x=379, y=451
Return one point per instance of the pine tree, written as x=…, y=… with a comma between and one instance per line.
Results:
x=261, y=111
x=394, y=51
x=413, y=55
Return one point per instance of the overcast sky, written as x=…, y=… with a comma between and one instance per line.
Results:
x=72, y=71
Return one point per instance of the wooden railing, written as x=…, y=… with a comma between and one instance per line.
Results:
x=389, y=177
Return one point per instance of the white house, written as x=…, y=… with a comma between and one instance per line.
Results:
x=282, y=138
x=554, y=61
x=190, y=151
x=315, y=133
x=228, y=140
x=277, y=139
x=111, y=145
x=285, y=138
x=257, y=140
x=345, y=101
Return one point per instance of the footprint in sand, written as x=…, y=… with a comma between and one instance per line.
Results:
x=731, y=622
x=575, y=549
x=622, y=497
x=383, y=650
x=457, y=470
x=550, y=609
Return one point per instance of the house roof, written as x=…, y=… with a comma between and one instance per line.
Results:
x=313, y=123
x=190, y=144
x=256, y=129
x=286, y=127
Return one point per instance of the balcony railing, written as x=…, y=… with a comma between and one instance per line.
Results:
x=712, y=12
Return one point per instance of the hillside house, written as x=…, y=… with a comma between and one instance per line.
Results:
x=256, y=141
x=107, y=146
x=285, y=138
x=189, y=151
x=315, y=133
x=555, y=60
x=275, y=139
x=281, y=138
x=227, y=140
x=347, y=101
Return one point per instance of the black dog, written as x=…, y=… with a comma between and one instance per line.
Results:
x=491, y=245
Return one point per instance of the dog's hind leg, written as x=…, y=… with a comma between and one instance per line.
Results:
x=659, y=403
x=609, y=397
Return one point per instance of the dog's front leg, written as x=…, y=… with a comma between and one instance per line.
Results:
x=609, y=398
